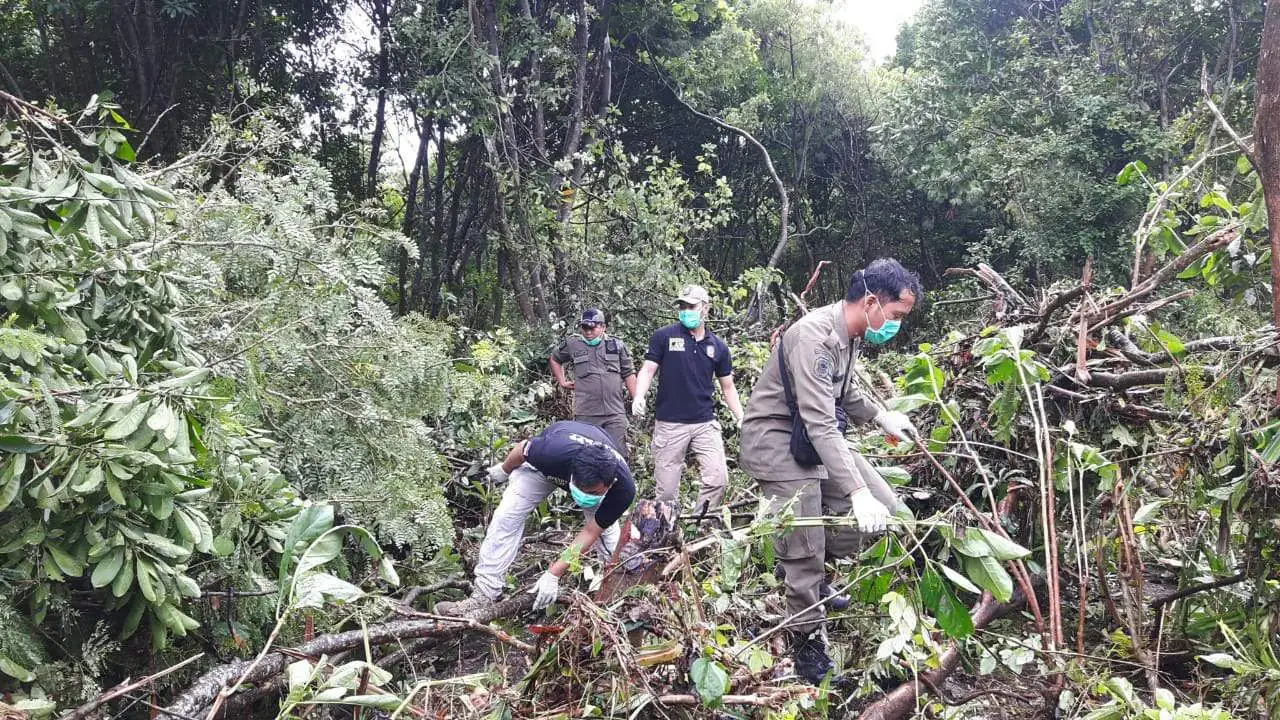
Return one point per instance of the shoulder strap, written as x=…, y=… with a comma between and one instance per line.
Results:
x=786, y=378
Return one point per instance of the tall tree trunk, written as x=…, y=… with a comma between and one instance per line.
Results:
x=382, y=20
x=1266, y=133
x=410, y=216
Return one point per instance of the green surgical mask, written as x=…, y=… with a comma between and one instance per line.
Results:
x=586, y=501
x=691, y=319
x=887, y=329
x=593, y=341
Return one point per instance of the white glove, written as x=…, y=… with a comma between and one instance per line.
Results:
x=547, y=590
x=897, y=425
x=637, y=406
x=737, y=421
x=871, y=515
x=497, y=475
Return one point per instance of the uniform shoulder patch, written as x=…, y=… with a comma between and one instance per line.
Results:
x=823, y=366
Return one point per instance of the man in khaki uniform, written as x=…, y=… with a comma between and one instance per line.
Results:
x=601, y=367
x=691, y=360
x=819, y=352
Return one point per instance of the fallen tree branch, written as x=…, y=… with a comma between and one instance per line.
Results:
x=1186, y=592
x=1057, y=303
x=1170, y=270
x=763, y=699
x=1136, y=378
x=124, y=689
x=1148, y=308
x=901, y=701
x=207, y=687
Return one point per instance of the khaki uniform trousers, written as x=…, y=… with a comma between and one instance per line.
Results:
x=615, y=425
x=804, y=551
x=672, y=442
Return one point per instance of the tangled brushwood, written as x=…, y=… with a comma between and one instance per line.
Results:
x=1093, y=536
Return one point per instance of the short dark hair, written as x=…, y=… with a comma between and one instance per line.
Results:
x=594, y=465
x=886, y=278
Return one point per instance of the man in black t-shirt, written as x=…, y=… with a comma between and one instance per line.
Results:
x=567, y=455
x=689, y=361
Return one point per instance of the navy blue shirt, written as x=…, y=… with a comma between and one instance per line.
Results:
x=685, y=381
x=552, y=452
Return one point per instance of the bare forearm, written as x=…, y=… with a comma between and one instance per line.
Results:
x=645, y=378
x=585, y=538
x=515, y=458
x=630, y=383
x=730, y=392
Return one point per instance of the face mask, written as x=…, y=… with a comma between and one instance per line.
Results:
x=585, y=501
x=593, y=341
x=882, y=334
x=691, y=319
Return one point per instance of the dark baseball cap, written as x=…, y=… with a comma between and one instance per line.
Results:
x=592, y=315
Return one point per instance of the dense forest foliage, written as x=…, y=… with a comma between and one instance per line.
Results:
x=256, y=353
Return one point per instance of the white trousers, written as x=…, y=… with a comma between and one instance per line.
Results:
x=525, y=489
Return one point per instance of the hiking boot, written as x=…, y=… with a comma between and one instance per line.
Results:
x=469, y=607
x=834, y=601
x=810, y=654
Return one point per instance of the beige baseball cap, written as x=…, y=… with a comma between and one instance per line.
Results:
x=694, y=294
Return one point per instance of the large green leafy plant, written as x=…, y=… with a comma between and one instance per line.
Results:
x=117, y=447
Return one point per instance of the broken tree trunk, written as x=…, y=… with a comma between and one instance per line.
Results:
x=197, y=698
x=901, y=702
x=1266, y=135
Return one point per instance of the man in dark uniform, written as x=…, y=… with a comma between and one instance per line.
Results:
x=601, y=367
x=819, y=350
x=568, y=455
x=692, y=362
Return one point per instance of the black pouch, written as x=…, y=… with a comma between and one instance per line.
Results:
x=801, y=447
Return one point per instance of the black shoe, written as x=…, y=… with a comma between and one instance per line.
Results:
x=833, y=601
x=810, y=654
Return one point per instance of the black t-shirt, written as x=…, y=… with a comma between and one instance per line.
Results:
x=553, y=451
x=685, y=382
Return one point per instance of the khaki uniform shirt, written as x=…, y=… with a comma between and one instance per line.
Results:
x=598, y=373
x=820, y=362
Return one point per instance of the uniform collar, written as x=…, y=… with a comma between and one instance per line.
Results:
x=840, y=328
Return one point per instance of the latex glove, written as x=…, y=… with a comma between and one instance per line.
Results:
x=897, y=425
x=737, y=421
x=637, y=406
x=546, y=590
x=872, y=516
x=497, y=475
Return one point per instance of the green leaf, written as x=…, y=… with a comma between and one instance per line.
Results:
x=972, y=544
x=710, y=680
x=1003, y=548
x=14, y=670
x=124, y=580
x=953, y=617
x=152, y=588
x=104, y=573
x=93, y=479
x=990, y=575
x=309, y=524
x=19, y=444
x=931, y=590
x=125, y=426
x=65, y=561
x=960, y=580
x=222, y=546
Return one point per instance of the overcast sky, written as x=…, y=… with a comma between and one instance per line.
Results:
x=879, y=21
